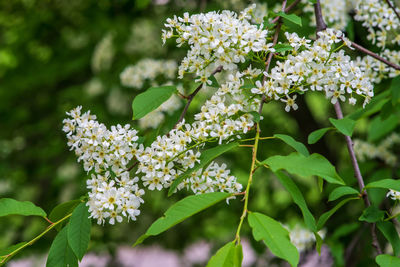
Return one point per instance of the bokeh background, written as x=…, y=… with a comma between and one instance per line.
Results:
x=56, y=55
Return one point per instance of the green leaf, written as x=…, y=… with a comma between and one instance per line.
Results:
x=379, y=128
x=6, y=251
x=318, y=242
x=298, y=198
x=79, y=230
x=61, y=254
x=384, y=260
x=345, y=230
x=345, y=125
x=205, y=158
x=316, y=135
x=342, y=191
x=324, y=217
x=385, y=183
x=296, y=163
x=312, y=1
x=229, y=255
x=299, y=147
x=390, y=233
x=291, y=17
x=214, y=82
x=282, y=47
x=182, y=210
x=395, y=90
x=372, y=214
x=274, y=235
x=62, y=210
x=9, y=206
x=151, y=99
x=256, y=116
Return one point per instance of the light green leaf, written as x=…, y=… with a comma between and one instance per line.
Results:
x=282, y=47
x=390, y=233
x=345, y=125
x=229, y=255
x=342, y=191
x=299, y=147
x=324, y=217
x=291, y=17
x=296, y=163
x=6, y=251
x=274, y=235
x=385, y=183
x=372, y=214
x=318, y=134
x=182, y=210
x=205, y=158
x=62, y=210
x=318, y=242
x=79, y=230
x=9, y=206
x=384, y=260
x=379, y=128
x=61, y=254
x=151, y=99
x=312, y=1
x=395, y=90
x=298, y=198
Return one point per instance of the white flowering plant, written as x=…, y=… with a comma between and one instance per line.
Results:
x=262, y=63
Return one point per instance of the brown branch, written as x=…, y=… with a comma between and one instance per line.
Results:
x=394, y=8
x=339, y=114
x=192, y=95
x=374, y=55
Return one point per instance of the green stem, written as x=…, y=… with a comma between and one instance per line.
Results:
x=36, y=238
x=392, y=217
x=246, y=196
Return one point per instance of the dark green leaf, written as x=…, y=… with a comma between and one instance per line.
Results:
x=282, y=47
x=387, y=110
x=324, y=217
x=390, y=233
x=312, y=1
x=274, y=235
x=79, y=230
x=379, y=128
x=9, y=206
x=182, y=210
x=214, y=82
x=206, y=157
x=8, y=250
x=384, y=260
x=151, y=99
x=316, y=135
x=342, y=191
x=314, y=164
x=395, y=90
x=62, y=210
x=345, y=230
x=291, y=17
x=60, y=254
x=229, y=255
x=345, y=125
x=385, y=183
x=299, y=147
x=298, y=198
x=372, y=214
x=256, y=116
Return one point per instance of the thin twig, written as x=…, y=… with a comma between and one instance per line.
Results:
x=374, y=55
x=394, y=8
x=320, y=27
x=192, y=95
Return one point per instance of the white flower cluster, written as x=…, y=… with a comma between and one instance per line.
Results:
x=103, y=54
x=113, y=193
x=335, y=13
x=303, y=238
x=393, y=194
x=154, y=118
x=147, y=70
x=380, y=20
x=215, y=39
x=320, y=66
x=366, y=150
x=258, y=13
